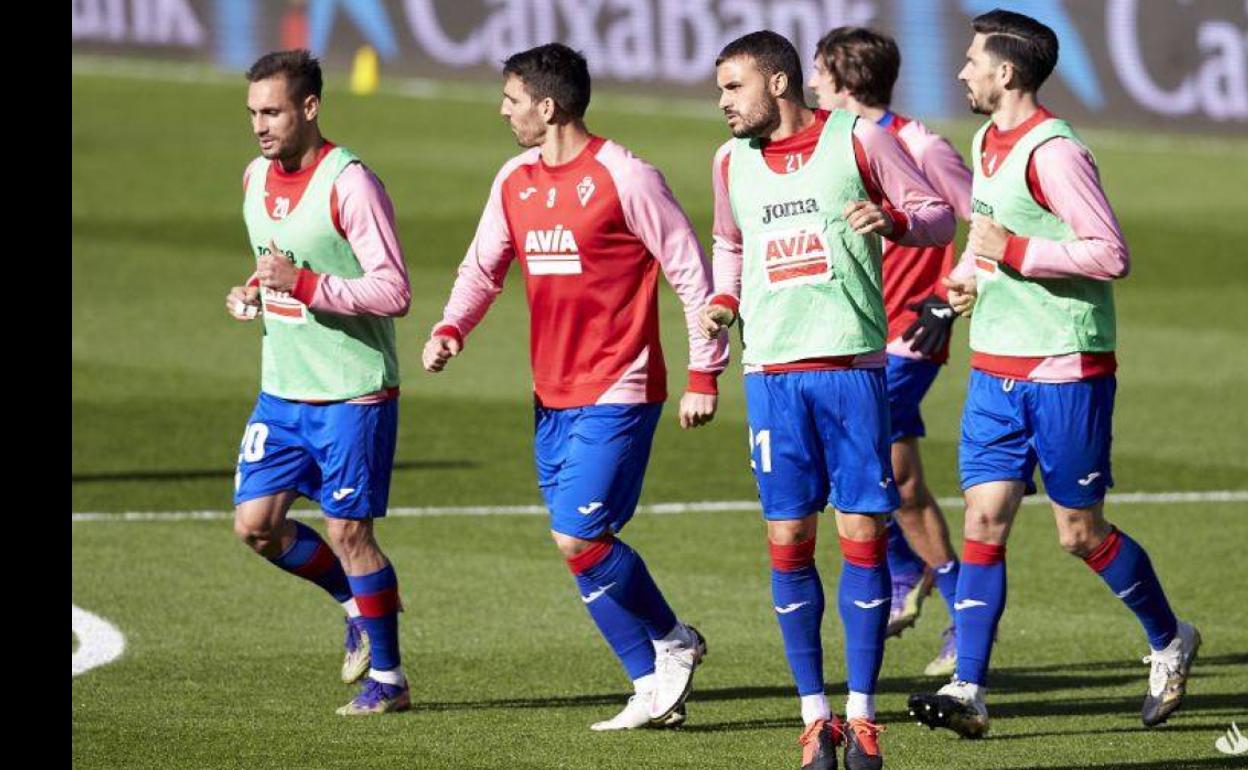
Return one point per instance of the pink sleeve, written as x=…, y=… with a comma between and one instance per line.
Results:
x=656, y=218
x=367, y=218
x=950, y=178
x=965, y=268
x=726, y=250
x=1072, y=188
x=484, y=267
x=930, y=220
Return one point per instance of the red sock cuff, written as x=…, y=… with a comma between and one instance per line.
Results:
x=590, y=557
x=1106, y=552
x=794, y=556
x=865, y=554
x=983, y=554
x=380, y=604
x=321, y=562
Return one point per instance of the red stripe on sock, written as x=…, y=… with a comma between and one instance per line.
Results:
x=321, y=562
x=590, y=557
x=983, y=554
x=1106, y=552
x=794, y=556
x=868, y=553
x=384, y=602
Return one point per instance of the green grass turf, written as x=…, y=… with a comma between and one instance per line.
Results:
x=231, y=663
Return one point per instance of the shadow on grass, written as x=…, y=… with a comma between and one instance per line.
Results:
x=1037, y=679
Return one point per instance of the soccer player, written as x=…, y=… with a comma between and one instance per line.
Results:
x=855, y=69
x=1043, y=249
x=329, y=281
x=592, y=226
x=802, y=199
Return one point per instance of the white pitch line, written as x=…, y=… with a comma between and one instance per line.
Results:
x=99, y=642
x=705, y=506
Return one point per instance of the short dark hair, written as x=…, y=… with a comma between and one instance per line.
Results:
x=300, y=68
x=556, y=72
x=771, y=53
x=861, y=61
x=1025, y=43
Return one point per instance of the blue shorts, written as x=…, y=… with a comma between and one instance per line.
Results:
x=1010, y=426
x=908, y=382
x=339, y=454
x=820, y=438
x=590, y=464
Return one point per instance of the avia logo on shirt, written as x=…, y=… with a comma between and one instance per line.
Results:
x=979, y=207
x=552, y=252
x=280, y=305
x=789, y=209
x=794, y=257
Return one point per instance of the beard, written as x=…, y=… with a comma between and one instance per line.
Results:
x=758, y=122
x=527, y=134
x=984, y=105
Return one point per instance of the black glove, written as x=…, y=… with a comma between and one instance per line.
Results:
x=930, y=331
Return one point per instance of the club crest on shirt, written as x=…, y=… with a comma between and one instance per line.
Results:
x=585, y=190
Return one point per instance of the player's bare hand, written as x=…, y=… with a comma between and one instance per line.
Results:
x=714, y=318
x=697, y=409
x=866, y=217
x=243, y=303
x=987, y=238
x=276, y=271
x=438, y=350
x=962, y=294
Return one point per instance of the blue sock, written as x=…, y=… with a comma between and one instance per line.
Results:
x=615, y=568
x=797, y=593
x=947, y=583
x=902, y=560
x=864, y=599
x=981, y=596
x=1126, y=569
x=624, y=633
x=310, y=558
x=377, y=595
